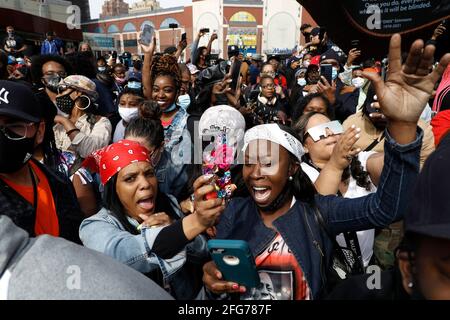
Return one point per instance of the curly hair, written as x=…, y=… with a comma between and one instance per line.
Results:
x=166, y=65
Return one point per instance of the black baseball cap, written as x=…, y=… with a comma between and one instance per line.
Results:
x=233, y=51
x=18, y=101
x=429, y=211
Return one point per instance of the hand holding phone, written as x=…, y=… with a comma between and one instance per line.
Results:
x=235, y=261
x=326, y=71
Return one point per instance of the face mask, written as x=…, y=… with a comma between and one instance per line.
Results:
x=135, y=85
x=306, y=63
x=52, y=82
x=334, y=73
x=14, y=154
x=101, y=69
x=170, y=109
x=184, y=101
x=358, y=82
x=10, y=34
x=301, y=82
x=65, y=103
x=128, y=113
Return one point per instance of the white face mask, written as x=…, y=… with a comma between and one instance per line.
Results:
x=301, y=82
x=128, y=113
x=184, y=101
x=358, y=82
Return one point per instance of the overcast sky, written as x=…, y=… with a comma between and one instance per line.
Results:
x=96, y=5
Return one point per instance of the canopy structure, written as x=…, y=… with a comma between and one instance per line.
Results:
x=372, y=22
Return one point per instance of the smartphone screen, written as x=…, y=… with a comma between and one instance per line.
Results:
x=147, y=34
x=326, y=70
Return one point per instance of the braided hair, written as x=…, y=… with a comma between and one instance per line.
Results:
x=166, y=65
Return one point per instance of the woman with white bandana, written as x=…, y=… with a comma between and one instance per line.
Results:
x=280, y=218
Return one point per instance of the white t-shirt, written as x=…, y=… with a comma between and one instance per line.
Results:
x=366, y=237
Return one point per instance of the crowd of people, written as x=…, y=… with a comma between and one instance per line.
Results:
x=119, y=155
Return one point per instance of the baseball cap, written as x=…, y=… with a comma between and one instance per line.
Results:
x=233, y=51
x=19, y=101
x=82, y=84
x=428, y=213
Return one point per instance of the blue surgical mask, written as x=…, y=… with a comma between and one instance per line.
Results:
x=334, y=73
x=134, y=85
x=184, y=101
x=170, y=109
x=301, y=82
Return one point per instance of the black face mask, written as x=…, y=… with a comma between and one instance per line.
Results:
x=65, y=103
x=14, y=154
x=52, y=82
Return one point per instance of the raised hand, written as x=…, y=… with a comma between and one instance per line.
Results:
x=406, y=92
x=343, y=151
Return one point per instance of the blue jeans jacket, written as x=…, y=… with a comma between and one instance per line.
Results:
x=299, y=228
x=104, y=233
x=171, y=177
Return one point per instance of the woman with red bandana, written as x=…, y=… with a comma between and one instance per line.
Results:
x=143, y=228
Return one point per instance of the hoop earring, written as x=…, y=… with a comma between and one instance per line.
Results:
x=89, y=104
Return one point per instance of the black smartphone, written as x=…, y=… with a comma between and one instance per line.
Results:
x=354, y=44
x=326, y=71
x=147, y=34
x=204, y=30
x=444, y=23
x=235, y=73
x=183, y=37
x=173, y=25
x=114, y=54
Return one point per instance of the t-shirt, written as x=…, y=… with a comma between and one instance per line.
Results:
x=46, y=217
x=119, y=133
x=15, y=43
x=281, y=276
x=167, y=123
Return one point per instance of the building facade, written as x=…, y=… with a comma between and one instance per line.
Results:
x=256, y=26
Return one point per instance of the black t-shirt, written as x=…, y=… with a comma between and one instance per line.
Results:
x=15, y=42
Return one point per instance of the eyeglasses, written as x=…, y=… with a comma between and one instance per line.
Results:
x=320, y=131
x=15, y=131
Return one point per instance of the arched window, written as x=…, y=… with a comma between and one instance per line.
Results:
x=129, y=27
x=113, y=29
x=98, y=30
x=165, y=24
x=243, y=17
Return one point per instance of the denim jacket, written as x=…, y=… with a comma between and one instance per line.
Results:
x=171, y=177
x=104, y=233
x=304, y=236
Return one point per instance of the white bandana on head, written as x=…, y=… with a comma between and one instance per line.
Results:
x=272, y=132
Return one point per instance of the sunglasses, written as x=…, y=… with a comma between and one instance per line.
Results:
x=320, y=131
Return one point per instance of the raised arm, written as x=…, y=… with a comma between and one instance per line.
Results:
x=148, y=50
x=213, y=37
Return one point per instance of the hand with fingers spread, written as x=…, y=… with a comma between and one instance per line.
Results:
x=405, y=94
x=212, y=278
x=327, y=89
x=343, y=151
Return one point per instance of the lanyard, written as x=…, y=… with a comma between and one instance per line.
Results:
x=35, y=191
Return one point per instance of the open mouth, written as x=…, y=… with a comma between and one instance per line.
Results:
x=147, y=203
x=261, y=194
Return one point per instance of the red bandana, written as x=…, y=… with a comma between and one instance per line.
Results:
x=113, y=158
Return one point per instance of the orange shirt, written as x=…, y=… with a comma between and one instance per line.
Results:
x=46, y=217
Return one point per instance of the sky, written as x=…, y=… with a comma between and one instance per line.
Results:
x=96, y=5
